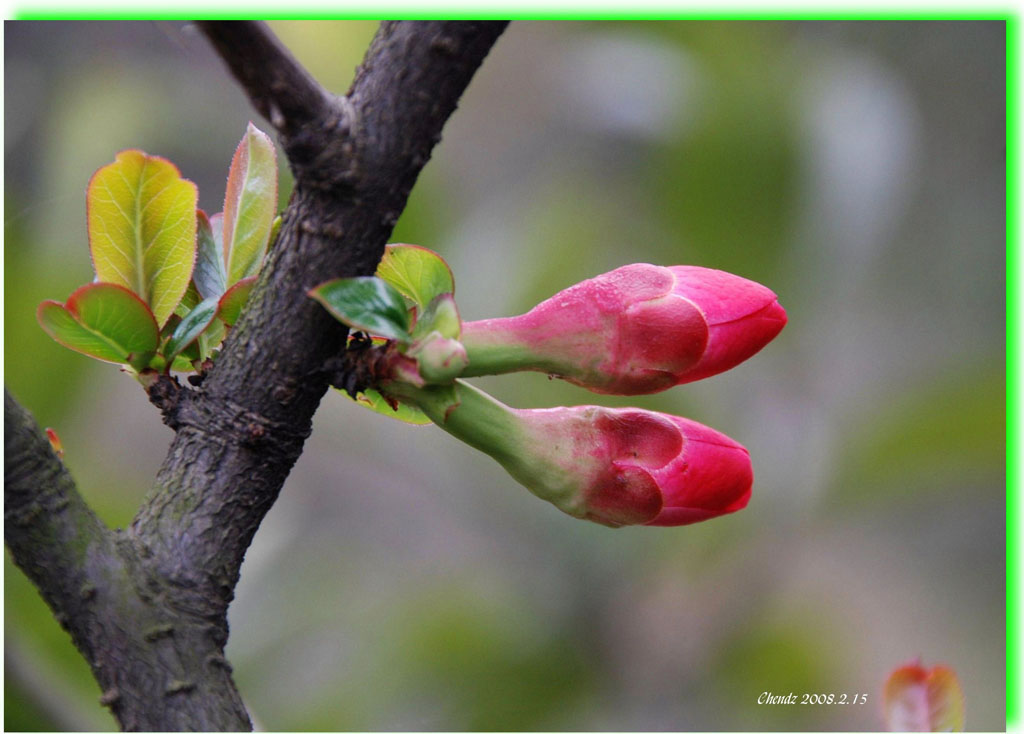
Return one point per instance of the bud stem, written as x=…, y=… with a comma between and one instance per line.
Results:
x=494, y=347
x=469, y=414
x=501, y=432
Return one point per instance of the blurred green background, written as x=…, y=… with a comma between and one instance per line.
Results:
x=403, y=581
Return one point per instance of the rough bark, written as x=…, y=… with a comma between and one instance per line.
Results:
x=148, y=657
x=147, y=606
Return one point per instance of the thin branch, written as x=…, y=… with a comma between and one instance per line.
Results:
x=279, y=87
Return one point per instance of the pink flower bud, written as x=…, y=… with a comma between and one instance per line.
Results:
x=637, y=467
x=637, y=329
x=615, y=466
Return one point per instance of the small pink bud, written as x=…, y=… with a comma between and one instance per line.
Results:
x=439, y=360
x=637, y=329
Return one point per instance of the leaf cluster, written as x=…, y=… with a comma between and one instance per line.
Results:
x=170, y=280
x=410, y=301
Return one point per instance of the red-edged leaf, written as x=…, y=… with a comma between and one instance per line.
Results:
x=918, y=699
x=105, y=321
x=231, y=303
x=249, y=204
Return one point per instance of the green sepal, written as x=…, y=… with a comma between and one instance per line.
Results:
x=437, y=360
x=441, y=315
x=366, y=304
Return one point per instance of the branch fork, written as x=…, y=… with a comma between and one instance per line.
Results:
x=355, y=159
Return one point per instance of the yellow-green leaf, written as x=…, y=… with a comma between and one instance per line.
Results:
x=250, y=203
x=404, y=411
x=419, y=274
x=189, y=301
x=105, y=321
x=142, y=229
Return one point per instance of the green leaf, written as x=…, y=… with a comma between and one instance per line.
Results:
x=418, y=273
x=211, y=338
x=189, y=301
x=105, y=321
x=249, y=204
x=231, y=303
x=275, y=230
x=375, y=401
x=440, y=315
x=182, y=364
x=210, y=277
x=190, y=354
x=194, y=324
x=366, y=304
x=203, y=347
x=917, y=699
x=142, y=229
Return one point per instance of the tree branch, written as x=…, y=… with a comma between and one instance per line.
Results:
x=278, y=86
x=355, y=160
x=242, y=431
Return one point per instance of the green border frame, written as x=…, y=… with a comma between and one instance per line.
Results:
x=1013, y=262
x=502, y=12
x=1013, y=329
